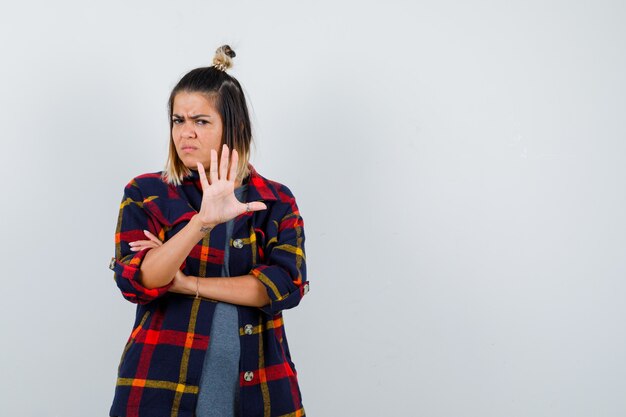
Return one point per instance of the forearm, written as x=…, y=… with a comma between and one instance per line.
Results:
x=161, y=264
x=244, y=290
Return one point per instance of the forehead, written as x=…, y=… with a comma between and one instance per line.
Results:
x=192, y=103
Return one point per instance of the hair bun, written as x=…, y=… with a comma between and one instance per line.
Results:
x=223, y=58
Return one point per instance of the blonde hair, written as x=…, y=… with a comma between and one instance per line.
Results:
x=223, y=58
x=225, y=92
x=175, y=171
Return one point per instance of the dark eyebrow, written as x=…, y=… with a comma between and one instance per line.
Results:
x=192, y=117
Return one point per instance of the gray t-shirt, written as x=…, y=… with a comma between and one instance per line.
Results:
x=219, y=384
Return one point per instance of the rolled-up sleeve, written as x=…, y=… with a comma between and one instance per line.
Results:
x=132, y=221
x=283, y=273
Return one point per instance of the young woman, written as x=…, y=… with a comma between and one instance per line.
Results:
x=211, y=258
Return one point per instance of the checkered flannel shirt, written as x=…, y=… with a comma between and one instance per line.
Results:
x=160, y=367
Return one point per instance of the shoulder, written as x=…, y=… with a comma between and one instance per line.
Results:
x=269, y=189
x=146, y=184
x=272, y=191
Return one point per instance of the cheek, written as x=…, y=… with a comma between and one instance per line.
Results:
x=210, y=137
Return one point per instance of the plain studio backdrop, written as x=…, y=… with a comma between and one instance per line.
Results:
x=459, y=166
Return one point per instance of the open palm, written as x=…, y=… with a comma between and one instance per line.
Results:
x=219, y=203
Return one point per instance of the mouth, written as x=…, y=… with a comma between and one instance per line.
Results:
x=188, y=148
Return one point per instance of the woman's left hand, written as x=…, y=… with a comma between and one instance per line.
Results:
x=151, y=242
x=182, y=282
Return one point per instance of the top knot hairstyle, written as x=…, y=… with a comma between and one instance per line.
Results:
x=226, y=94
x=223, y=58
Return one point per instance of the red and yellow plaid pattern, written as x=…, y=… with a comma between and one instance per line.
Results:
x=161, y=364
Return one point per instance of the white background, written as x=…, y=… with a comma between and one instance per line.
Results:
x=459, y=166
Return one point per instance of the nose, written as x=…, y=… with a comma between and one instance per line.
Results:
x=188, y=130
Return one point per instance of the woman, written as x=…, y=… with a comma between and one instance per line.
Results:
x=211, y=259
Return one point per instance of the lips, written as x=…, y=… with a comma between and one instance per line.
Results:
x=188, y=148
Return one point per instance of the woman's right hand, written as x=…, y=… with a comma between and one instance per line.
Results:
x=219, y=203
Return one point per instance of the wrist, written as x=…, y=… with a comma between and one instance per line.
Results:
x=187, y=285
x=201, y=226
x=193, y=285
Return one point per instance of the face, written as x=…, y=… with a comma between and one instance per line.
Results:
x=196, y=129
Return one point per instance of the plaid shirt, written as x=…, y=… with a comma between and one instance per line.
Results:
x=161, y=364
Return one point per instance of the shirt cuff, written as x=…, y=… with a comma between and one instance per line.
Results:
x=127, y=278
x=283, y=292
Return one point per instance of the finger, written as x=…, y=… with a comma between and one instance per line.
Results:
x=153, y=238
x=234, y=160
x=255, y=206
x=203, y=179
x=142, y=247
x=213, y=167
x=144, y=244
x=224, y=163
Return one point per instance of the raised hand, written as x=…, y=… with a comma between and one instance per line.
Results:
x=219, y=203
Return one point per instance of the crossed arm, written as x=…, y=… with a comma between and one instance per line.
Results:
x=219, y=205
x=245, y=290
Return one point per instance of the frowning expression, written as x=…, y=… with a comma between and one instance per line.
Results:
x=196, y=129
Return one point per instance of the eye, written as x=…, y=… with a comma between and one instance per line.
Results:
x=177, y=121
x=202, y=122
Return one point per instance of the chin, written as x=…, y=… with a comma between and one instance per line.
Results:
x=190, y=163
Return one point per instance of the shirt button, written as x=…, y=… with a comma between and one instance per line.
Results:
x=306, y=288
x=247, y=329
x=112, y=264
x=238, y=243
x=248, y=376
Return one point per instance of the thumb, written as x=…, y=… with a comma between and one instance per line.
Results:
x=255, y=206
